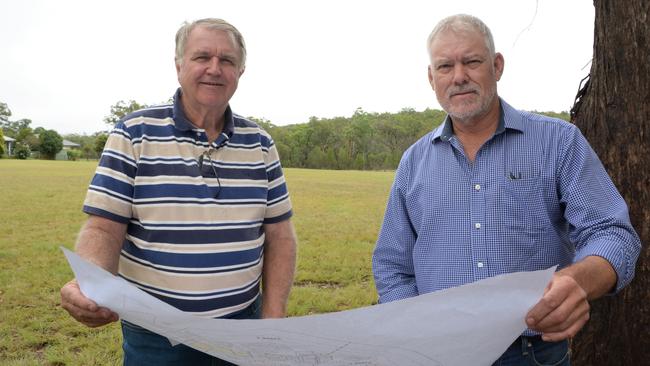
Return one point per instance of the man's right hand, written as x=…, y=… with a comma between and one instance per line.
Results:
x=83, y=309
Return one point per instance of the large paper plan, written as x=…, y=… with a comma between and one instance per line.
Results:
x=466, y=325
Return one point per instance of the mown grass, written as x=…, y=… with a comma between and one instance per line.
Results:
x=337, y=215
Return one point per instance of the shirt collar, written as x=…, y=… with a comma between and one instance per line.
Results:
x=182, y=123
x=509, y=118
x=444, y=132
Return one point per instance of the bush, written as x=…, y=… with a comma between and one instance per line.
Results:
x=22, y=151
x=73, y=154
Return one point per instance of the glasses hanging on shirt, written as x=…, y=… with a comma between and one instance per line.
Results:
x=204, y=160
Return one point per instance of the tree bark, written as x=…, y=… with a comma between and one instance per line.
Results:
x=613, y=112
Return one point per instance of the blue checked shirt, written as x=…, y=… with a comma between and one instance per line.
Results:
x=536, y=196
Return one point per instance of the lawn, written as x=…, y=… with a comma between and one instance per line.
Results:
x=337, y=215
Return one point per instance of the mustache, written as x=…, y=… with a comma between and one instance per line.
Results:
x=462, y=89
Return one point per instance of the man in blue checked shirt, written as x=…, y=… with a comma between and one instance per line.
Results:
x=495, y=190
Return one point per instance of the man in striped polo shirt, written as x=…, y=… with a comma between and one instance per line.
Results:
x=189, y=203
x=495, y=190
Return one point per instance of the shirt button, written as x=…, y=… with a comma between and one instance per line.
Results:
x=477, y=225
x=479, y=264
x=477, y=187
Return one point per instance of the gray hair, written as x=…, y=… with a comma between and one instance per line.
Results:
x=213, y=24
x=462, y=23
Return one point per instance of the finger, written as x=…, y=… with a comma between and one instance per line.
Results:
x=83, y=309
x=93, y=318
x=99, y=319
x=568, y=332
x=546, y=305
x=72, y=297
x=101, y=315
x=563, y=317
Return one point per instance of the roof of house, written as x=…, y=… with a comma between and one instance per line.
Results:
x=7, y=138
x=67, y=143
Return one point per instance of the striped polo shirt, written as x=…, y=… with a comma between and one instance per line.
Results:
x=195, y=210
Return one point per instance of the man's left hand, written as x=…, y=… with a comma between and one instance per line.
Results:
x=562, y=311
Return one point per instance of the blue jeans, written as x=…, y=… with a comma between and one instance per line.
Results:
x=533, y=351
x=144, y=348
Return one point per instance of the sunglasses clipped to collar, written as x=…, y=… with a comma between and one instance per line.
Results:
x=209, y=172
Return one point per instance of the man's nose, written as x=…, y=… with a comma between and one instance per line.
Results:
x=460, y=73
x=214, y=66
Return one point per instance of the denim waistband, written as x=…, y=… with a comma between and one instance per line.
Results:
x=522, y=341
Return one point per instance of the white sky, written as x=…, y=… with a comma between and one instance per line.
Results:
x=64, y=63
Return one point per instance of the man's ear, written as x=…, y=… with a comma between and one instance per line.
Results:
x=499, y=63
x=178, y=70
x=178, y=66
x=430, y=73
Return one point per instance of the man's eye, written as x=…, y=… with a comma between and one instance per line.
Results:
x=444, y=67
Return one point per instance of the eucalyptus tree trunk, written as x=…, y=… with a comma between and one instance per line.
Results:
x=612, y=110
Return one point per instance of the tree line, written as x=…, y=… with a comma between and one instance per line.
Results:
x=363, y=141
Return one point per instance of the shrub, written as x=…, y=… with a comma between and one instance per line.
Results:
x=73, y=154
x=22, y=151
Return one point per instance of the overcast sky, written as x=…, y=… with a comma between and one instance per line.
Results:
x=64, y=63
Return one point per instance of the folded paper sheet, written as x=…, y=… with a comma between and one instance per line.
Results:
x=467, y=325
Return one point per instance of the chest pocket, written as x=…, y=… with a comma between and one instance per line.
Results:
x=522, y=205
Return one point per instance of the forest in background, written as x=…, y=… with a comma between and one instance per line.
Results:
x=363, y=141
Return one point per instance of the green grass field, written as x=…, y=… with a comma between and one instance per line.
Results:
x=337, y=215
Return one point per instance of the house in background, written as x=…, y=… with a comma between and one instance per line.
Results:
x=67, y=145
x=9, y=145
